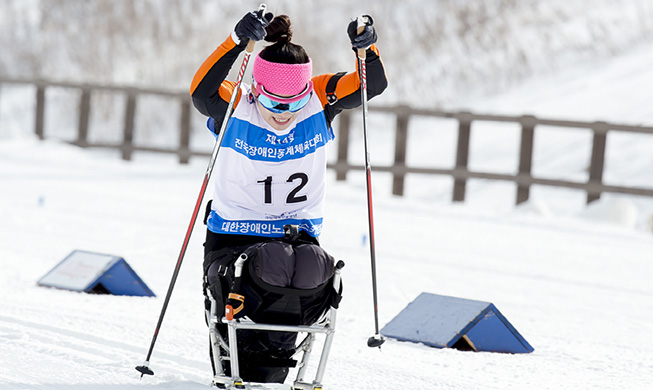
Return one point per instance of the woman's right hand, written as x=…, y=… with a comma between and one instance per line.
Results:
x=252, y=26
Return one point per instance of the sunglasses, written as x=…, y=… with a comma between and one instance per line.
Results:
x=279, y=107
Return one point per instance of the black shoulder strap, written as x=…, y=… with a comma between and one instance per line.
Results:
x=331, y=87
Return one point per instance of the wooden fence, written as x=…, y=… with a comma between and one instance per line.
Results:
x=399, y=169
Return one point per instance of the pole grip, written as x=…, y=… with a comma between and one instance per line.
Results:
x=250, y=46
x=362, y=20
x=259, y=13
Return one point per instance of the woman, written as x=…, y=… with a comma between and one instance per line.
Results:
x=272, y=162
x=271, y=167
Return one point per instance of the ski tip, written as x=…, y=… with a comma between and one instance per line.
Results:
x=144, y=370
x=375, y=341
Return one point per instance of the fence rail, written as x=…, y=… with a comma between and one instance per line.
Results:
x=399, y=169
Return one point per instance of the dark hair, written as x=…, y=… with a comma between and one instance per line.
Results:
x=282, y=50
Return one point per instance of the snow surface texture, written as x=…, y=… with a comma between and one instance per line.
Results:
x=576, y=284
x=573, y=280
x=577, y=290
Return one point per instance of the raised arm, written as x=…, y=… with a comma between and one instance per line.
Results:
x=346, y=93
x=209, y=89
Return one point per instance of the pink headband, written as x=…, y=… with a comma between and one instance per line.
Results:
x=280, y=80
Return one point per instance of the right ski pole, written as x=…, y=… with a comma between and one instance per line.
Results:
x=377, y=340
x=145, y=369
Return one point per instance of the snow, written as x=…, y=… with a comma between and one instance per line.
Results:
x=454, y=50
x=611, y=90
x=574, y=280
x=578, y=290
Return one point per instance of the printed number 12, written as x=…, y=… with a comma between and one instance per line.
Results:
x=292, y=196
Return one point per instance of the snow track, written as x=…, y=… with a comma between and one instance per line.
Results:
x=579, y=291
x=58, y=355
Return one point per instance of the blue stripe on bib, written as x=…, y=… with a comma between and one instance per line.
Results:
x=264, y=145
x=262, y=228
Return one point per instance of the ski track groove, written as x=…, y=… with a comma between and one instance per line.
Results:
x=65, y=349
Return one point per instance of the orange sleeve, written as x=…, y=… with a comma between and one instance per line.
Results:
x=225, y=47
x=209, y=88
x=347, y=85
x=226, y=89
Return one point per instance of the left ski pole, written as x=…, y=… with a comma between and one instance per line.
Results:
x=145, y=369
x=377, y=340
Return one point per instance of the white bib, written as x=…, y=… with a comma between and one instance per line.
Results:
x=266, y=178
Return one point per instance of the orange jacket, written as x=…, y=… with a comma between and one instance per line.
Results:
x=211, y=92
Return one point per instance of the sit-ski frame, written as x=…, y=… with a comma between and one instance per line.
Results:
x=326, y=325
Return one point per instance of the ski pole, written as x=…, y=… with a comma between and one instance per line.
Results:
x=145, y=369
x=377, y=340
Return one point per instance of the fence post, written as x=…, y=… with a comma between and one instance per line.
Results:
x=343, y=146
x=525, y=157
x=184, y=132
x=128, y=132
x=84, y=115
x=462, y=155
x=598, y=157
x=401, y=137
x=39, y=122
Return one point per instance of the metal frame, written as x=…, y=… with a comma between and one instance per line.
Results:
x=228, y=351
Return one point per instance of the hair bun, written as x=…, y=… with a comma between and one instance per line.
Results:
x=279, y=29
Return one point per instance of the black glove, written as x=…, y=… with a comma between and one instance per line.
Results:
x=365, y=39
x=252, y=26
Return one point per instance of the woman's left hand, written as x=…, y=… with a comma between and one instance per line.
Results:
x=365, y=39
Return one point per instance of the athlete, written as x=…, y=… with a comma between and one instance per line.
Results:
x=272, y=163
